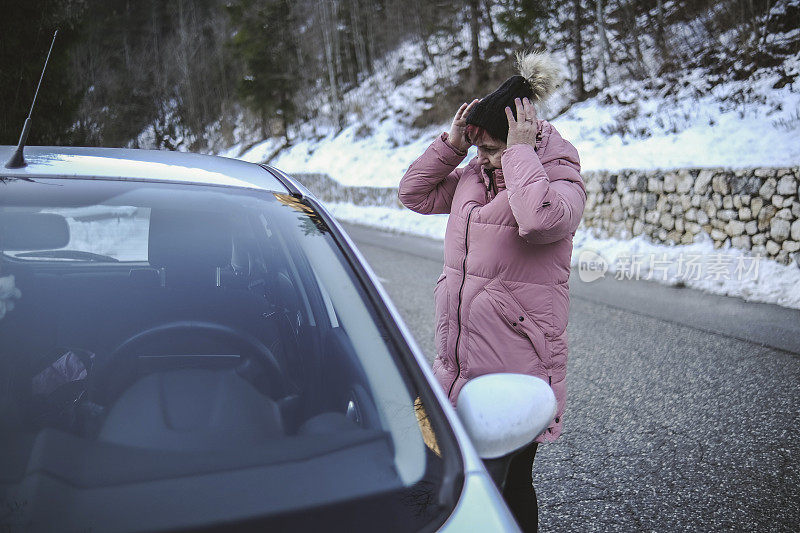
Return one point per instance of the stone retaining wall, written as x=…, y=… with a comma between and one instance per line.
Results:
x=328, y=190
x=753, y=209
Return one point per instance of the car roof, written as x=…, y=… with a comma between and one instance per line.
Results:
x=140, y=165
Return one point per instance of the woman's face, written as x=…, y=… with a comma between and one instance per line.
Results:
x=489, y=152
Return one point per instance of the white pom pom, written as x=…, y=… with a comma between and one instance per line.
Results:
x=542, y=73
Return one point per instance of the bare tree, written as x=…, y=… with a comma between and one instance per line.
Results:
x=633, y=38
x=421, y=33
x=604, y=47
x=358, y=38
x=660, y=37
x=487, y=15
x=577, y=43
x=328, y=28
x=475, y=50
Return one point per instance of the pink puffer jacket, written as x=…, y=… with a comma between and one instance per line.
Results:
x=502, y=301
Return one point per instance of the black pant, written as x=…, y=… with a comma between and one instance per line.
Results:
x=513, y=475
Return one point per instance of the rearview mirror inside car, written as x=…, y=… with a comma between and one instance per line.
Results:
x=504, y=412
x=32, y=231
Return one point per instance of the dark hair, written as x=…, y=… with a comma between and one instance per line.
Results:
x=476, y=134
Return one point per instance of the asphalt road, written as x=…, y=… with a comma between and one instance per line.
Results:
x=683, y=408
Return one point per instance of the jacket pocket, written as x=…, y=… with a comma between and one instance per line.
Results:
x=490, y=344
x=441, y=305
x=516, y=318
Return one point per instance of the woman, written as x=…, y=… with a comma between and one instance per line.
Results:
x=502, y=300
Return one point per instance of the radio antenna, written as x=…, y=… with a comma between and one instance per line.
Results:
x=18, y=159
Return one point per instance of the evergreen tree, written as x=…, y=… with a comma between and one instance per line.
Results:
x=25, y=36
x=526, y=21
x=263, y=42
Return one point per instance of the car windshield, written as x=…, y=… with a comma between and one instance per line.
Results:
x=179, y=356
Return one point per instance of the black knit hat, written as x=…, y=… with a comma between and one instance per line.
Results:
x=490, y=113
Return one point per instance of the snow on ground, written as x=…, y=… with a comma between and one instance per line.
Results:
x=725, y=271
x=387, y=218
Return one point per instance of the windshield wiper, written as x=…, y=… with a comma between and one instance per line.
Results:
x=76, y=255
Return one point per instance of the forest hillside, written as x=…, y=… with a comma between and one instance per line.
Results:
x=224, y=76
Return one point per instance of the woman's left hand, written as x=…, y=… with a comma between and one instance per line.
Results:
x=524, y=128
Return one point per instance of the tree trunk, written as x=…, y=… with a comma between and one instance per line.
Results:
x=487, y=13
x=358, y=39
x=285, y=119
x=580, y=87
x=634, y=40
x=373, y=51
x=337, y=45
x=660, y=23
x=327, y=24
x=474, y=21
x=661, y=39
x=422, y=34
x=604, y=48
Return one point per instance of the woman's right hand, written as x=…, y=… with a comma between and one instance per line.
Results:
x=456, y=136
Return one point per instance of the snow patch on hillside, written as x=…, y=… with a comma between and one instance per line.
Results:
x=697, y=126
x=378, y=142
x=733, y=124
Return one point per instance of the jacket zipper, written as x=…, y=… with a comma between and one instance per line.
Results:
x=550, y=382
x=491, y=188
x=460, y=291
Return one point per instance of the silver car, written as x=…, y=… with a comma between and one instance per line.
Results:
x=192, y=342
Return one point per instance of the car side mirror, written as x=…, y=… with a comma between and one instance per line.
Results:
x=504, y=412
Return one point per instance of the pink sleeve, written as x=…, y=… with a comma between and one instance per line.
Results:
x=430, y=182
x=545, y=212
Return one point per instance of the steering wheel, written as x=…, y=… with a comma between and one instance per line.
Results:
x=115, y=372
